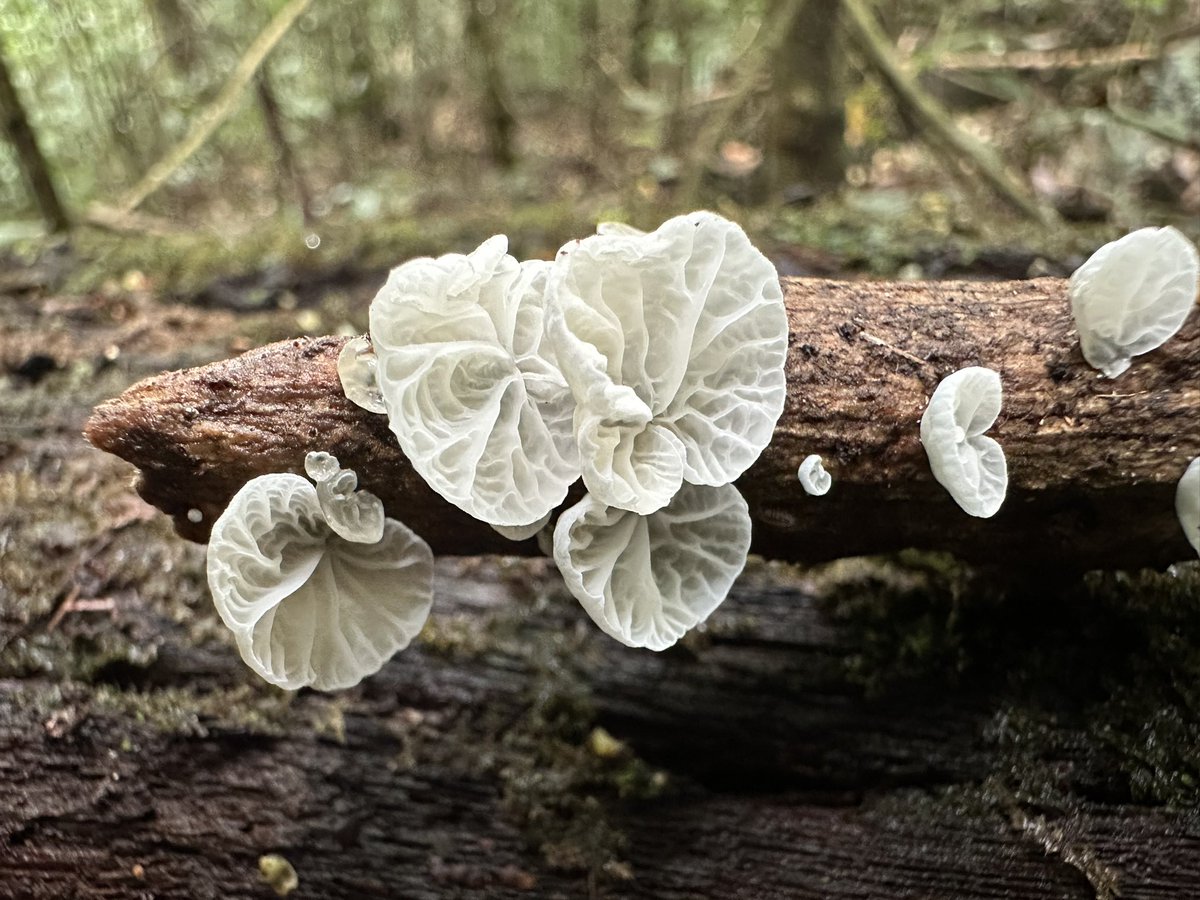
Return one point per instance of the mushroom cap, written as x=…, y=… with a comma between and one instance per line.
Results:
x=356, y=367
x=647, y=580
x=966, y=463
x=1132, y=295
x=673, y=344
x=813, y=477
x=472, y=393
x=1187, y=503
x=306, y=607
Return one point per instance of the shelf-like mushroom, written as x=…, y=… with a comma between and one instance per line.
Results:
x=473, y=395
x=1187, y=503
x=813, y=477
x=673, y=344
x=307, y=607
x=357, y=372
x=648, y=580
x=968, y=464
x=1132, y=295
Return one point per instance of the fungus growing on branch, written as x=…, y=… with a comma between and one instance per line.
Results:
x=673, y=344
x=307, y=606
x=648, y=580
x=965, y=462
x=1132, y=295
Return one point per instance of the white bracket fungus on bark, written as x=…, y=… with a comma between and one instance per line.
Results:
x=1187, y=503
x=648, y=580
x=673, y=344
x=965, y=462
x=813, y=477
x=1132, y=295
x=307, y=606
x=472, y=392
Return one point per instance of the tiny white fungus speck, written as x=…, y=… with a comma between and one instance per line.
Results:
x=813, y=477
x=195, y=516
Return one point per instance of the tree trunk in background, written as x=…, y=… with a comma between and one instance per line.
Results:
x=678, y=137
x=589, y=28
x=483, y=44
x=639, y=41
x=291, y=171
x=29, y=155
x=806, y=117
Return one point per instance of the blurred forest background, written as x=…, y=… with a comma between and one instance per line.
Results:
x=991, y=137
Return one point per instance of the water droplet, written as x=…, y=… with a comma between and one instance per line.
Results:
x=312, y=241
x=195, y=516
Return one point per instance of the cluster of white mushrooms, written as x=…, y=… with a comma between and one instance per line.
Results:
x=651, y=365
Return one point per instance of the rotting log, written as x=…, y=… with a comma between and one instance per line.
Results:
x=1093, y=463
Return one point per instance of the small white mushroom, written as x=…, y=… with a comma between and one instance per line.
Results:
x=1132, y=295
x=356, y=370
x=647, y=580
x=965, y=462
x=307, y=607
x=354, y=515
x=1187, y=503
x=472, y=392
x=673, y=344
x=813, y=477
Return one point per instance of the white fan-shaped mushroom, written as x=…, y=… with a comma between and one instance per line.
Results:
x=472, y=393
x=1187, y=503
x=356, y=370
x=1132, y=295
x=673, y=344
x=647, y=580
x=306, y=607
x=813, y=477
x=354, y=515
x=965, y=462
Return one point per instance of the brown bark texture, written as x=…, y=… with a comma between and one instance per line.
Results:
x=1093, y=463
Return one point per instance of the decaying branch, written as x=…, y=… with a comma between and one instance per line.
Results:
x=1093, y=463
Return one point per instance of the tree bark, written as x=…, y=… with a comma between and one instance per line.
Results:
x=1093, y=463
x=29, y=155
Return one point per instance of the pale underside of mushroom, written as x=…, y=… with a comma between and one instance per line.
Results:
x=647, y=580
x=307, y=607
x=1132, y=295
x=673, y=344
x=1187, y=503
x=813, y=477
x=473, y=395
x=967, y=463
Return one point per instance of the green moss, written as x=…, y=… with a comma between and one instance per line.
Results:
x=248, y=708
x=1102, y=675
